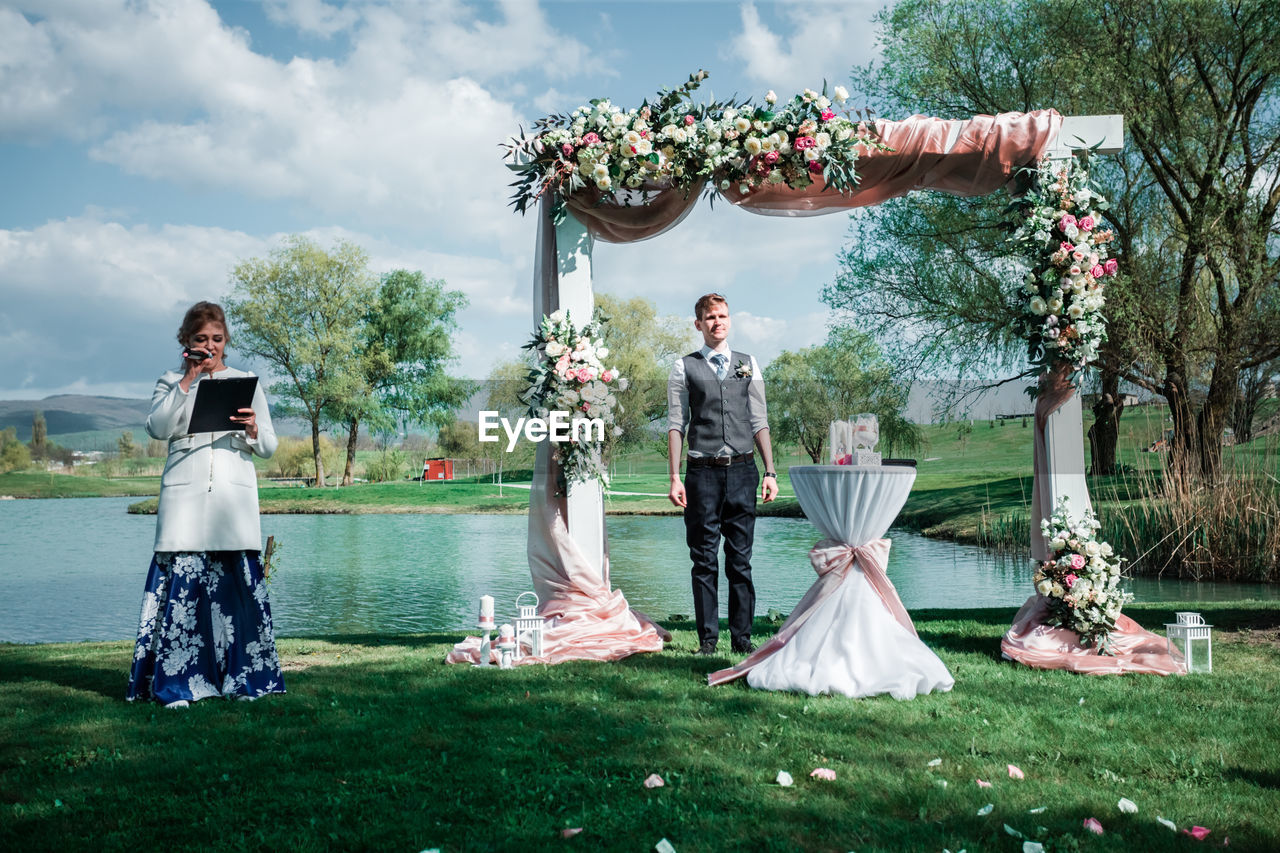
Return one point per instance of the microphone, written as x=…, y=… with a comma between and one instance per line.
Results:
x=196, y=355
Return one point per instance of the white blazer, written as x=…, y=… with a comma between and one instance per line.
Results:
x=209, y=490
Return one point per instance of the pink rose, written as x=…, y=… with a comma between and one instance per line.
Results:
x=1070, y=579
x=803, y=142
x=1066, y=222
x=828, y=115
x=562, y=362
x=584, y=375
x=607, y=376
x=1086, y=223
x=1077, y=561
x=1111, y=267
x=590, y=139
x=689, y=120
x=1066, y=247
x=1091, y=824
x=815, y=167
x=567, y=149
x=1096, y=271
x=771, y=157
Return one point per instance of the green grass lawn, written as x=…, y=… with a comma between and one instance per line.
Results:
x=380, y=746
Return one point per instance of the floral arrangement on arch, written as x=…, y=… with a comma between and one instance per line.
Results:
x=568, y=373
x=676, y=143
x=1081, y=578
x=1064, y=243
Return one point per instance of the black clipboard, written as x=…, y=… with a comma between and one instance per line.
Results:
x=217, y=400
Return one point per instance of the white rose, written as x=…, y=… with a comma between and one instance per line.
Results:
x=812, y=154
x=679, y=135
x=823, y=139
x=771, y=97
x=1071, y=231
x=619, y=119
x=810, y=94
x=752, y=145
x=555, y=349
x=741, y=124
x=1044, y=587
x=644, y=147
x=600, y=171
x=602, y=352
x=1074, y=311
x=557, y=316
x=1057, y=591
x=1037, y=305
x=841, y=94
x=604, y=183
x=1056, y=544
x=1055, y=305
x=823, y=102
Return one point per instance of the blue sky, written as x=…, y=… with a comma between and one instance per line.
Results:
x=146, y=147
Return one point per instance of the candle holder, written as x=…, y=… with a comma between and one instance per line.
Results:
x=485, y=624
x=506, y=646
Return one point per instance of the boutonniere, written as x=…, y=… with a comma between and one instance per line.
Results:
x=743, y=369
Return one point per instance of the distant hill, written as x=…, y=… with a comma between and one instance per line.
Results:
x=74, y=413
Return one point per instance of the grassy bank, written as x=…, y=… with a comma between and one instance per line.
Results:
x=379, y=746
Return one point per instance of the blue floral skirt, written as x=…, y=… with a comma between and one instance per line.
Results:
x=205, y=629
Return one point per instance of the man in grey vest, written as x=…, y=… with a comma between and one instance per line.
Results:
x=716, y=399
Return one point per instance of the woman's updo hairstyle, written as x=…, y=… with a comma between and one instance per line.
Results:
x=199, y=316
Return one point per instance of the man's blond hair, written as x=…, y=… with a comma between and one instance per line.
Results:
x=705, y=302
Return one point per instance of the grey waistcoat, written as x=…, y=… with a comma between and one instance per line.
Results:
x=718, y=412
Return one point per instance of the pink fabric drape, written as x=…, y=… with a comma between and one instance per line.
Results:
x=1055, y=390
x=1032, y=642
x=987, y=153
x=586, y=620
x=612, y=222
x=832, y=560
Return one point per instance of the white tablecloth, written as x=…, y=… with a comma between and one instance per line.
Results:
x=852, y=643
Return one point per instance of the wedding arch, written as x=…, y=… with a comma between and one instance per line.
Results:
x=860, y=162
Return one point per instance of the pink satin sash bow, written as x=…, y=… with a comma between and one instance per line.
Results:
x=832, y=560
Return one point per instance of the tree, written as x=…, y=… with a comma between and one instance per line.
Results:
x=1195, y=195
x=643, y=345
x=301, y=310
x=126, y=445
x=406, y=346
x=14, y=455
x=39, y=435
x=843, y=377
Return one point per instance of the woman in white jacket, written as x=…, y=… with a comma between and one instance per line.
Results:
x=205, y=628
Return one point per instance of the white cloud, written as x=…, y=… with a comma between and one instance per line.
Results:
x=93, y=305
x=822, y=41
x=404, y=128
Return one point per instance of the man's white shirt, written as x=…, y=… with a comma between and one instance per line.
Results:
x=678, y=397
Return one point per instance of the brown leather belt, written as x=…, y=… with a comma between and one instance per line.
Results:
x=717, y=461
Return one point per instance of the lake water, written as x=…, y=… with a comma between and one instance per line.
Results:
x=73, y=569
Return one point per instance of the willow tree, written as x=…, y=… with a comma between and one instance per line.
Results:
x=1195, y=193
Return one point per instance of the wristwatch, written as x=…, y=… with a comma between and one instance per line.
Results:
x=772, y=474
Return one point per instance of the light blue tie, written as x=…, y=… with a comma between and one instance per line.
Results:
x=720, y=362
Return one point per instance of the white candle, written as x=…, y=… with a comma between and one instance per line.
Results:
x=486, y=608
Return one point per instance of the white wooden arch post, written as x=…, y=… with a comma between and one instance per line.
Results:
x=1064, y=430
x=572, y=291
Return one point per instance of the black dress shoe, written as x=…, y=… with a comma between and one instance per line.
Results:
x=708, y=647
x=744, y=648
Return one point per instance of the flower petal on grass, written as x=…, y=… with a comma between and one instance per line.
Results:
x=982, y=784
x=823, y=773
x=1037, y=810
x=1091, y=824
x=1032, y=847
x=1167, y=824
x=935, y=763
x=1199, y=833
x=986, y=810
x=653, y=780
x=570, y=832
x=1015, y=773
x=784, y=779
x=1127, y=806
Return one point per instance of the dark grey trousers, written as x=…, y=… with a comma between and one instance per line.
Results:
x=722, y=504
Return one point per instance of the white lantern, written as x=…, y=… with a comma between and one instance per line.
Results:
x=529, y=626
x=1189, y=634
